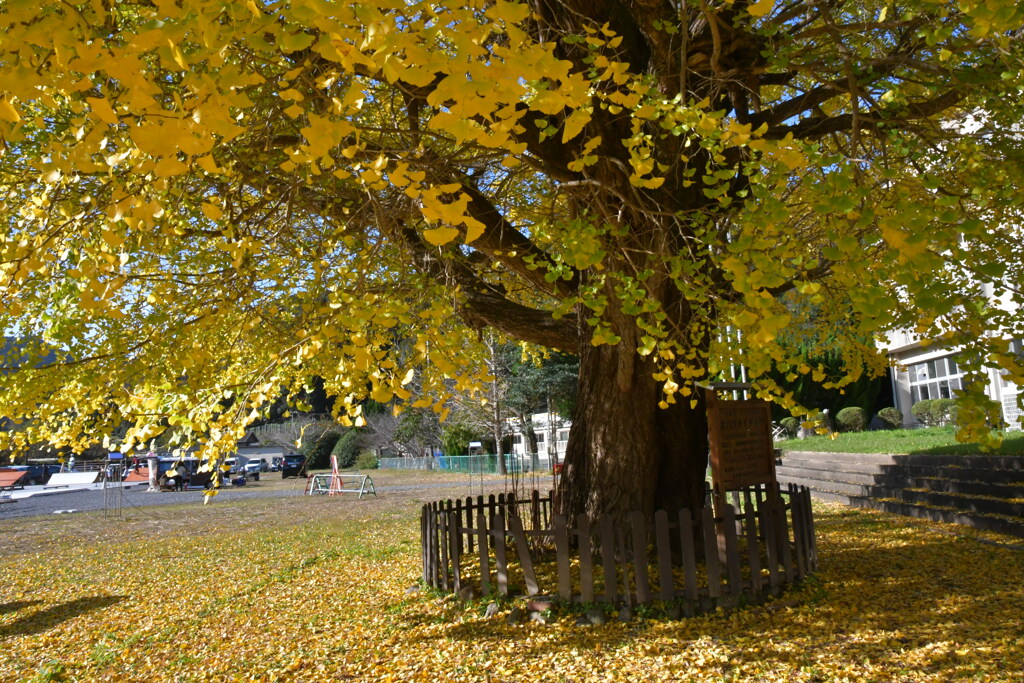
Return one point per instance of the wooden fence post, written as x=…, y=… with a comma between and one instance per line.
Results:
x=455, y=538
x=663, y=546
x=444, y=549
x=485, y=570
x=500, y=561
x=643, y=584
x=798, y=533
x=753, y=550
x=586, y=550
x=812, y=540
x=608, y=558
x=470, y=518
x=525, y=561
x=782, y=536
x=456, y=509
x=689, y=555
x=711, y=554
x=423, y=542
x=435, y=557
x=768, y=529
x=732, y=557
x=558, y=528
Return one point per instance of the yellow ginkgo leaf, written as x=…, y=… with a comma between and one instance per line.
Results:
x=103, y=111
x=761, y=8
x=440, y=236
x=212, y=211
x=8, y=112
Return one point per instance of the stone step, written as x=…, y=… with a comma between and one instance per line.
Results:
x=868, y=458
x=1010, y=463
x=954, y=473
x=800, y=473
x=838, y=469
x=967, y=488
x=969, y=504
x=829, y=465
x=1013, y=527
x=1004, y=525
x=842, y=487
x=999, y=462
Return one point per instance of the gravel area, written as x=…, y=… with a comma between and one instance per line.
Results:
x=83, y=500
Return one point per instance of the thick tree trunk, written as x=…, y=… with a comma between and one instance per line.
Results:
x=624, y=452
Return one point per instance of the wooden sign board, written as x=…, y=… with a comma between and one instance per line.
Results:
x=740, y=438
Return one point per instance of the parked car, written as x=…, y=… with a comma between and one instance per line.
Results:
x=236, y=465
x=293, y=466
x=276, y=462
x=253, y=468
x=40, y=474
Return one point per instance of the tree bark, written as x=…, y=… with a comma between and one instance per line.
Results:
x=626, y=453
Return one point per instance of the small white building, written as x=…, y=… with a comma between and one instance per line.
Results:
x=552, y=433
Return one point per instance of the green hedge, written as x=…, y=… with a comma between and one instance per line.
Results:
x=318, y=453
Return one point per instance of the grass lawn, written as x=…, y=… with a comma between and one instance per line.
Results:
x=315, y=589
x=933, y=440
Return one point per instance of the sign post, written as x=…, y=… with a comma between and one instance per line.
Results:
x=740, y=440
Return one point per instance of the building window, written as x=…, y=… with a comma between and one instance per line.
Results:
x=938, y=378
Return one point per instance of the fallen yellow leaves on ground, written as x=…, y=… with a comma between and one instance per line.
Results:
x=312, y=589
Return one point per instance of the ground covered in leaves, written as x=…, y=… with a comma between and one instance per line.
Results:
x=318, y=589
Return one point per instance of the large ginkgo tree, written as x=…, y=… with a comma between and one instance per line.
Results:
x=204, y=201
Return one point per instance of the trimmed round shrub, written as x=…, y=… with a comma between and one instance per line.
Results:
x=823, y=420
x=922, y=411
x=891, y=418
x=935, y=412
x=791, y=425
x=347, y=449
x=852, y=419
x=944, y=410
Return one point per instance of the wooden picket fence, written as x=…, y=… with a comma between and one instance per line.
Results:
x=761, y=542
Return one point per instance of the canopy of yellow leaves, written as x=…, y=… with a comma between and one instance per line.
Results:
x=316, y=589
x=204, y=202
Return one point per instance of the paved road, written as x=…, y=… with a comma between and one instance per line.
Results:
x=137, y=496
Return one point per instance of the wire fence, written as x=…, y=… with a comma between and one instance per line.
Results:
x=470, y=464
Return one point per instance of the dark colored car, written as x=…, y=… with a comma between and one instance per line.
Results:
x=293, y=466
x=41, y=474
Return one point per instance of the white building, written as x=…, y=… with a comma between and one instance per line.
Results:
x=930, y=370
x=552, y=437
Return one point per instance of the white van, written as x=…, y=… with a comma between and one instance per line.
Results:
x=236, y=465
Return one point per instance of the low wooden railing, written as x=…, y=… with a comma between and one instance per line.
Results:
x=760, y=543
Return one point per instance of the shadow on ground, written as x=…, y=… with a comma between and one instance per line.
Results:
x=45, y=619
